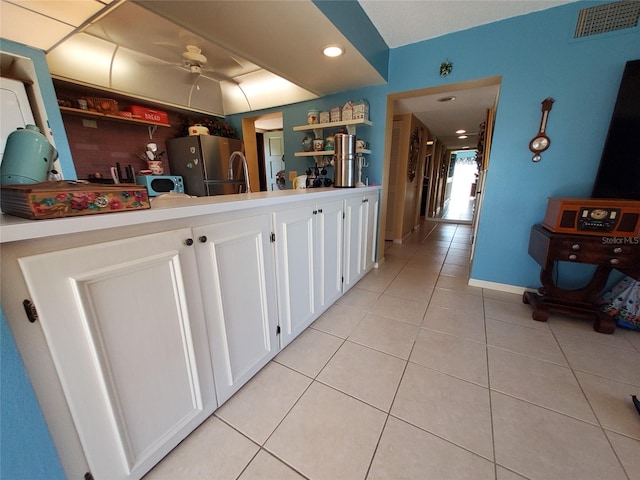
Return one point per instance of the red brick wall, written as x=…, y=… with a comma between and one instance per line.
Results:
x=97, y=149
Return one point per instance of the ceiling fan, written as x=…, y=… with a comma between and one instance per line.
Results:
x=194, y=62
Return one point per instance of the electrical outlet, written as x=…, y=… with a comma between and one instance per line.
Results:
x=292, y=174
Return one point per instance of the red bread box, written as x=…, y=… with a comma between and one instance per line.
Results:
x=142, y=113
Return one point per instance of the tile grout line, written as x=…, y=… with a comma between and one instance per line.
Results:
x=593, y=411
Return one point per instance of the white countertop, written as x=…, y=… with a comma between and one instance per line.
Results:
x=14, y=229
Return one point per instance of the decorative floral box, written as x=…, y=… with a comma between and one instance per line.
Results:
x=64, y=198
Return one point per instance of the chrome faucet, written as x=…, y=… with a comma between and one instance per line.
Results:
x=244, y=166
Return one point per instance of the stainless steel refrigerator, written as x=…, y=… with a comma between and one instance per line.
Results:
x=203, y=163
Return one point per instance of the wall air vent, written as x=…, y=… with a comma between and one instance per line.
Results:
x=607, y=18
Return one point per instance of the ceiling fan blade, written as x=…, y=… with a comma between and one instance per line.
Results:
x=166, y=44
x=160, y=64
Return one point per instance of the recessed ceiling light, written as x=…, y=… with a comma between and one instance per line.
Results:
x=461, y=131
x=446, y=99
x=333, y=50
x=462, y=137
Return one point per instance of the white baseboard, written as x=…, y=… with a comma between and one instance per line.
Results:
x=501, y=287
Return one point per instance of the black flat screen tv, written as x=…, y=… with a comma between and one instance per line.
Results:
x=619, y=172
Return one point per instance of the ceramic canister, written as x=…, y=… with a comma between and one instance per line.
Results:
x=198, y=130
x=313, y=116
x=28, y=157
x=328, y=143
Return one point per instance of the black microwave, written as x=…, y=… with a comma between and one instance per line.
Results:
x=159, y=184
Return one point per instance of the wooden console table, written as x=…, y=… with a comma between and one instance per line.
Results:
x=546, y=247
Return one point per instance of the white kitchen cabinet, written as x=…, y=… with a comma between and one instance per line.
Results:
x=309, y=263
x=137, y=328
x=360, y=227
x=237, y=280
x=372, y=205
x=124, y=324
x=329, y=235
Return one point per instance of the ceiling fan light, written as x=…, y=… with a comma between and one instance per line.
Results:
x=333, y=50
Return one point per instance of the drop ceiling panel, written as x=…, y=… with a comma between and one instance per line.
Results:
x=82, y=58
x=42, y=32
x=71, y=12
x=263, y=89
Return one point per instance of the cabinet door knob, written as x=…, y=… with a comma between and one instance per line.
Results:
x=315, y=212
x=575, y=246
x=617, y=250
x=614, y=261
x=573, y=256
x=203, y=239
x=188, y=242
x=319, y=210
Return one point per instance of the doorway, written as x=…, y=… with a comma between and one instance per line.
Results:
x=273, y=147
x=461, y=202
x=441, y=110
x=256, y=146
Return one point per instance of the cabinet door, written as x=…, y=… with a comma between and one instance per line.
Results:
x=125, y=326
x=371, y=231
x=353, y=251
x=329, y=223
x=237, y=276
x=295, y=249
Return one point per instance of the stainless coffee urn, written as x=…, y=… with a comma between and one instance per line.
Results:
x=344, y=160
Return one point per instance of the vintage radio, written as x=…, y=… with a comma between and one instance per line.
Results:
x=593, y=216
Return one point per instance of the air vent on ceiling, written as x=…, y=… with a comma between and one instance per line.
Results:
x=607, y=18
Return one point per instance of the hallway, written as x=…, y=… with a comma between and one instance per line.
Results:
x=461, y=204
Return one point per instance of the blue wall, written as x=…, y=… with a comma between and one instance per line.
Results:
x=537, y=58
x=26, y=449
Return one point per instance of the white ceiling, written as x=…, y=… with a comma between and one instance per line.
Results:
x=402, y=22
x=280, y=37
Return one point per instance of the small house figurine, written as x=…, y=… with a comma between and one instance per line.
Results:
x=335, y=114
x=347, y=111
x=361, y=110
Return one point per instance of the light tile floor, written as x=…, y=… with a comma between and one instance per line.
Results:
x=413, y=374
